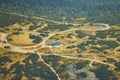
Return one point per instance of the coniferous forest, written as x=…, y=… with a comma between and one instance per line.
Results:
x=59, y=39
x=104, y=11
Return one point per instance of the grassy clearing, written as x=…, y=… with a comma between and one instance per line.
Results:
x=21, y=39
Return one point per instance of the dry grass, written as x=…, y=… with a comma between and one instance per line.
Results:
x=21, y=40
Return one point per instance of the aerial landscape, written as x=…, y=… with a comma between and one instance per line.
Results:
x=59, y=39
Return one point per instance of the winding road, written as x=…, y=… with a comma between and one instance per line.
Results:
x=22, y=49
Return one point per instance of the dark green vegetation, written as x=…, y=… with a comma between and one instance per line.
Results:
x=32, y=27
x=52, y=60
x=108, y=44
x=100, y=11
x=96, y=49
x=3, y=60
x=117, y=66
x=109, y=33
x=106, y=11
x=81, y=46
x=7, y=47
x=101, y=38
x=16, y=33
x=54, y=27
x=81, y=64
x=80, y=34
x=30, y=70
x=103, y=73
x=7, y=19
x=118, y=50
x=118, y=39
x=111, y=60
x=36, y=39
x=82, y=74
x=35, y=26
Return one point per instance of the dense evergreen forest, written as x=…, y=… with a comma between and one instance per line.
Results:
x=104, y=11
